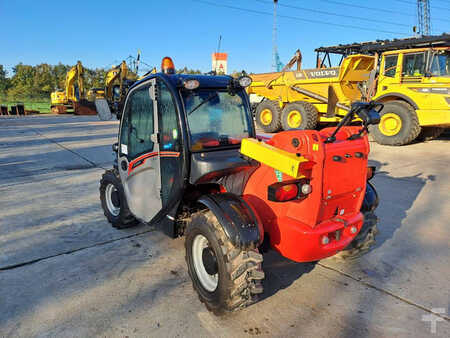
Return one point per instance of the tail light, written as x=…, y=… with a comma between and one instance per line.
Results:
x=288, y=191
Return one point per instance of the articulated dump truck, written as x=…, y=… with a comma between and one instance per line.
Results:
x=299, y=99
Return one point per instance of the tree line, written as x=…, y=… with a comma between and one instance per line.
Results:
x=37, y=82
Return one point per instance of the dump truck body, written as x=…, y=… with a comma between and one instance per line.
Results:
x=313, y=86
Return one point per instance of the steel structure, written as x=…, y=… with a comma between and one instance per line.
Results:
x=423, y=17
x=380, y=46
x=276, y=62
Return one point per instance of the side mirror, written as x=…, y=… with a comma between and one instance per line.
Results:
x=369, y=113
x=369, y=116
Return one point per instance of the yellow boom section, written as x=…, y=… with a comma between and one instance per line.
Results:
x=281, y=160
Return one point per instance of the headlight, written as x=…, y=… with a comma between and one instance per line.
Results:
x=191, y=84
x=245, y=81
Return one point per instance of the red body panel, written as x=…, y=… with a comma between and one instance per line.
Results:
x=338, y=181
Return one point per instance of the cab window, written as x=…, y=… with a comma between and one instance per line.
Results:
x=138, y=126
x=413, y=64
x=171, y=159
x=390, y=65
x=216, y=118
x=440, y=65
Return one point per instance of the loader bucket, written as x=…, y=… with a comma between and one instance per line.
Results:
x=104, y=113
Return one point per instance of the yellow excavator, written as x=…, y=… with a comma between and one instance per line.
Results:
x=73, y=96
x=118, y=80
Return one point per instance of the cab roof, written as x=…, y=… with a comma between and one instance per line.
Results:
x=206, y=81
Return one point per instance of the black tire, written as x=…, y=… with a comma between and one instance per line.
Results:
x=239, y=274
x=123, y=218
x=307, y=112
x=262, y=109
x=363, y=241
x=408, y=131
x=430, y=133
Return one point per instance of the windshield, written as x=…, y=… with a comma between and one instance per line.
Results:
x=440, y=64
x=215, y=118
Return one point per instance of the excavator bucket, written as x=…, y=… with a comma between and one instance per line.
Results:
x=84, y=107
x=104, y=113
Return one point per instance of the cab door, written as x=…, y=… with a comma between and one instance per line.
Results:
x=138, y=162
x=389, y=73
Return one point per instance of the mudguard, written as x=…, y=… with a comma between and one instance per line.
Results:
x=236, y=218
x=370, y=202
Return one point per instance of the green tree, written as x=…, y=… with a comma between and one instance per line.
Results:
x=43, y=81
x=4, y=81
x=95, y=78
x=21, y=82
x=59, y=75
x=185, y=70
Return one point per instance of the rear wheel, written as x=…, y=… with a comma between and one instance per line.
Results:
x=398, y=125
x=268, y=116
x=114, y=202
x=430, y=133
x=225, y=277
x=299, y=115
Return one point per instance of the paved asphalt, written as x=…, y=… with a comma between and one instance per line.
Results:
x=64, y=272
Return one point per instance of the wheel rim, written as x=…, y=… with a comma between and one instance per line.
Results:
x=294, y=119
x=112, y=199
x=266, y=117
x=200, y=251
x=390, y=124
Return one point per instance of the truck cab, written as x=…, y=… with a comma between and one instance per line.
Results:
x=419, y=79
x=172, y=138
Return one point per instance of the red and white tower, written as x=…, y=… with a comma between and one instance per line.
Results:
x=219, y=62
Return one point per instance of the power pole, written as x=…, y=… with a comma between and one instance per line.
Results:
x=423, y=17
x=274, y=38
x=218, y=45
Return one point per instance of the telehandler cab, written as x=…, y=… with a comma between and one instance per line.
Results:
x=188, y=157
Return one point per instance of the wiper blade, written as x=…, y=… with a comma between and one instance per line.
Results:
x=202, y=103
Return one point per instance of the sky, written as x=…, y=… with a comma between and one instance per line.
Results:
x=101, y=33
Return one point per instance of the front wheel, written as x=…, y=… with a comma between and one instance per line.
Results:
x=398, y=125
x=225, y=277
